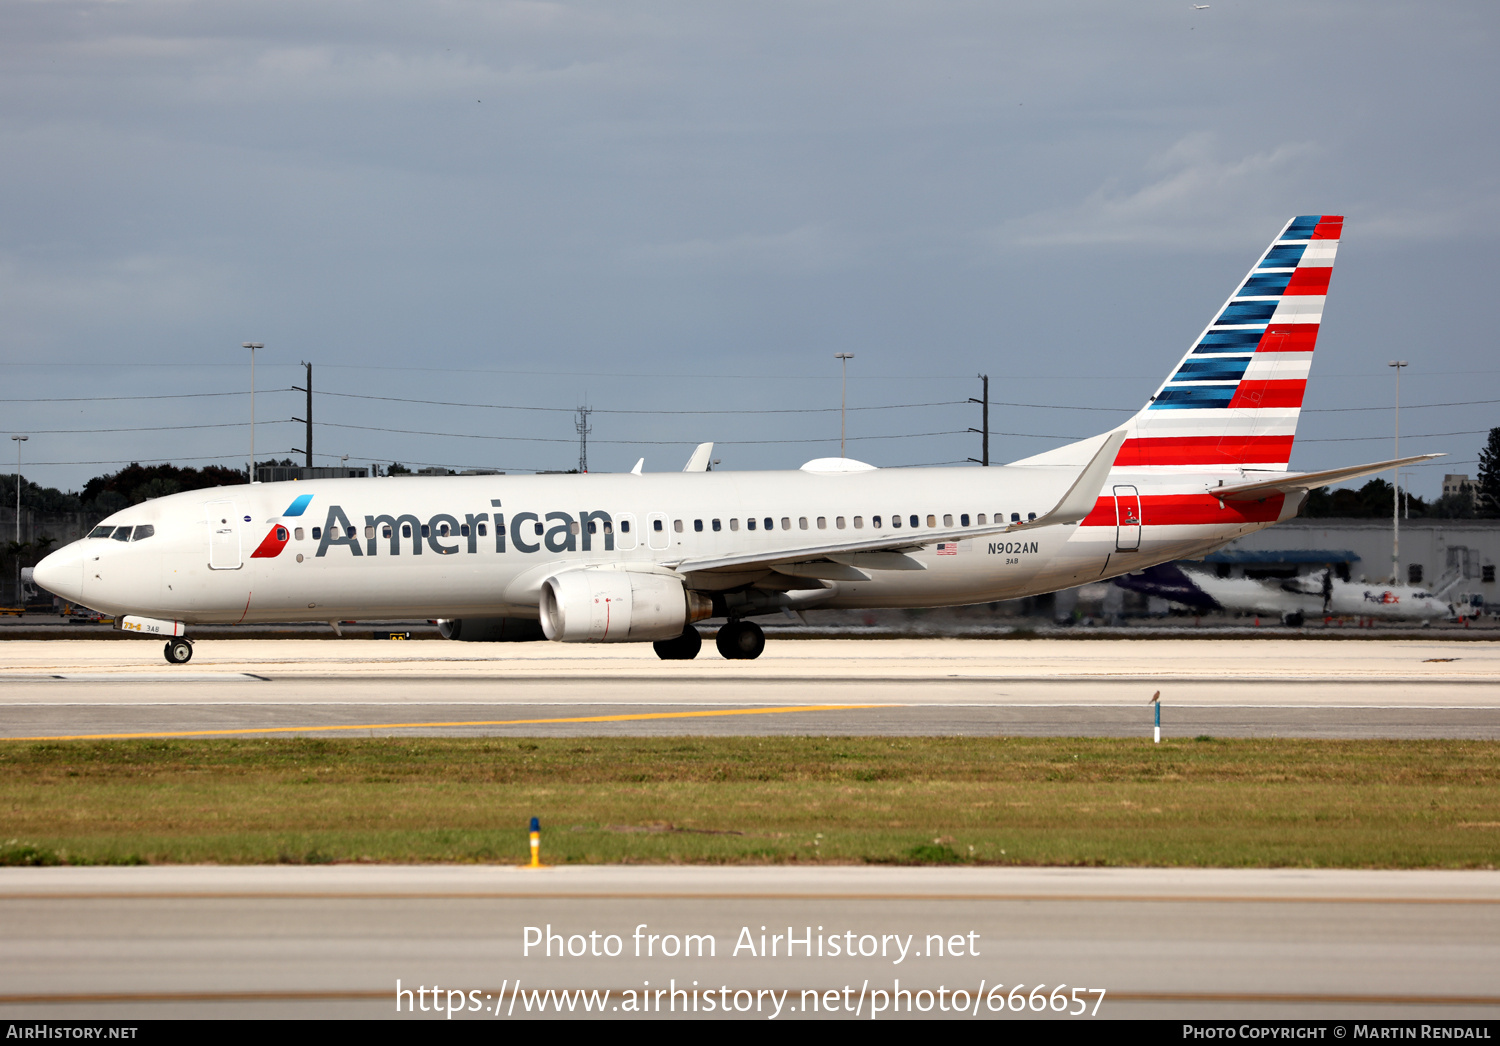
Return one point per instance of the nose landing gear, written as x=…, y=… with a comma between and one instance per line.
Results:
x=179, y=651
x=740, y=641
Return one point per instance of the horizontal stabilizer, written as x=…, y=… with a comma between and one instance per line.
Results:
x=1300, y=483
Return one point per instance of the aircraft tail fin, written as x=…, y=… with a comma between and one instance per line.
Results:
x=1235, y=397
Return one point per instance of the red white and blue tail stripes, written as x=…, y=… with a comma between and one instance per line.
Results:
x=1234, y=399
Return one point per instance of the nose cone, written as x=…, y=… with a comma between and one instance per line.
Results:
x=61, y=573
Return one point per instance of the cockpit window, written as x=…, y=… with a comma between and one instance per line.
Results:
x=121, y=534
x=101, y=532
x=143, y=532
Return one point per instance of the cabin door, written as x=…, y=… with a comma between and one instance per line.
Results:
x=1127, y=519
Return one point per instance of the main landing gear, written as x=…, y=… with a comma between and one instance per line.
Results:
x=179, y=651
x=741, y=641
x=684, y=648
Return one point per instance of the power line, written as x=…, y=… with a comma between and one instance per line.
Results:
x=101, y=399
x=158, y=428
x=601, y=410
x=632, y=442
x=1419, y=435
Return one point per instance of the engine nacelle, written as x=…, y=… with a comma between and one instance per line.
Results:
x=491, y=629
x=617, y=606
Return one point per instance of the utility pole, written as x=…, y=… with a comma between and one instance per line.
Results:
x=584, y=428
x=844, y=358
x=308, y=419
x=985, y=432
x=19, y=440
x=252, y=346
x=1396, y=490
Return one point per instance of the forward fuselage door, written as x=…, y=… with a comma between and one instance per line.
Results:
x=223, y=535
x=1127, y=519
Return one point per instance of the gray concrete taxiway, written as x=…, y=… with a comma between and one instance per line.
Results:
x=132, y=943
x=1303, y=688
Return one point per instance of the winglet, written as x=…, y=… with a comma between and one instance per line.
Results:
x=637, y=470
x=699, y=461
x=1079, y=501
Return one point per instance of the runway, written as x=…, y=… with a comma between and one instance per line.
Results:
x=1226, y=688
x=133, y=943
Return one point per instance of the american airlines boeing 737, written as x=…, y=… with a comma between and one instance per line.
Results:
x=606, y=558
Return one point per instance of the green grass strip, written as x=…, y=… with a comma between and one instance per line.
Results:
x=1028, y=801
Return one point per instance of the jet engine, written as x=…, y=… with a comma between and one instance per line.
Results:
x=491, y=629
x=597, y=605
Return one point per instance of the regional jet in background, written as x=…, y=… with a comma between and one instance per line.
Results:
x=609, y=558
x=1293, y=600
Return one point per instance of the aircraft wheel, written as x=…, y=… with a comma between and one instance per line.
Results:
x=684, y=648
x=741, y=641
x=179, y=651
x=1294, y=620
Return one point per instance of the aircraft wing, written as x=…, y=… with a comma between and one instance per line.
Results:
x=1297, y=483
x=1077, y=503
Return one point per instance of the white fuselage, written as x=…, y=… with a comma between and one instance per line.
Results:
x=357, y=549
x=1304, y=596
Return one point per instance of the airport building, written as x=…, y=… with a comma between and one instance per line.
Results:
x=1456, y=554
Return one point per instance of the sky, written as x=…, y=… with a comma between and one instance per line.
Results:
x=678, y=213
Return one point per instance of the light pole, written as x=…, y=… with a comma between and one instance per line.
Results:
x=252, y=346
x=19, y=440
x=1395, y=490
x=844, y=358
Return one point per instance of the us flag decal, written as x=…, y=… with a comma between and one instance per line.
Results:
x=948, y=548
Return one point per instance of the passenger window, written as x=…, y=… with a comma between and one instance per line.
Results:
x=427, y=531
x=1015, y=517
x=301, y=534
x=838, y=521
x=122, y=534
x=750, y=523
x=405, y=530
x=280, y=534
x=624, y=526
x=716, y=525
x=482, y=530
x=948, y=520
x=573, y=528
x=801, y=522
x=786, y=523
x=318, y=533
x=538, y=527
x=677, y=526
x=144, y=532
x=442, y=530
x=859, y=522
x=463, y=530
x=822, y=522
x=874, y=521
x=980, y=519
x=770, y=524
x=1031, y=515
x=963, y=520
x=656, y=525
x=697, y=526
x=369, y=532
x=609, y=526
x=734, y=524
x=101, y=532
x=895, y=521
x=915, y=521
x=593, y=527
x=499, y=529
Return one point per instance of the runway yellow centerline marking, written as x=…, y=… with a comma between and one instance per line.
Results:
x=479, y=722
